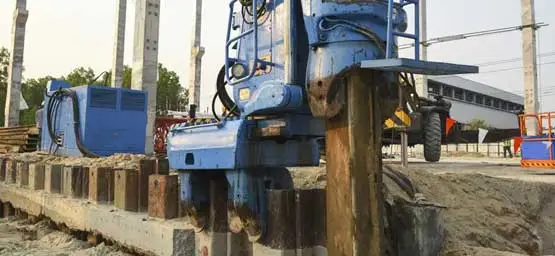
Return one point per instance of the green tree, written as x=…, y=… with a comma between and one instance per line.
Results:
x=476, y=123
x=80, y=76
x=33, y=91
x=126, y=77
x=170, y=94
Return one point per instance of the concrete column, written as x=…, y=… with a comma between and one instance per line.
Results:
x=119, y=44
x=422, y=80
x=197, y=51
x=530, y=64
x=145, y=59
x=15, y=69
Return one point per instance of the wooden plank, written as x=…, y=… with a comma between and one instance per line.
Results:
x=13, y=141
x=146, y=168
x=11, y=166
x=353, y=212
x=101, y=184
x=125, y=189
x=20, y=131
x=16, y=136
x=3, y=162
x=36, y=176
x=162, y=195
x=72, y=181
x=22, y=174
x=53, y=178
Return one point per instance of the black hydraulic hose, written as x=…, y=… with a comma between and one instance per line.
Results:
x=406, y=187
x=53, y=104
x=76, y=121
x=405, y=178
x=403, y=181
x=221, y=92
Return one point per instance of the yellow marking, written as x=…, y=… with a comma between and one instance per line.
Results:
x=389, y=123
x=244, y=94
x=266, y=57
x=403, y=117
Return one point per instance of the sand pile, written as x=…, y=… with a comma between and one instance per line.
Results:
x=484, y=215
x=116, y=160
x=23, y=238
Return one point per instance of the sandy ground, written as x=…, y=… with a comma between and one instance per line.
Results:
x=21, y=237
x=491, y=208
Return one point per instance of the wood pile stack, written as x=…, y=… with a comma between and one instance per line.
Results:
x=19, y=139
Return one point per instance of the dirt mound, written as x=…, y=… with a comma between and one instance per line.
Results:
x=487, y=212
x=116, y=160
x=483, y=215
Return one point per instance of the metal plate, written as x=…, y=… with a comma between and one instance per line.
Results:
x=419, y=67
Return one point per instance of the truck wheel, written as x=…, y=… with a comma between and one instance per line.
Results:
x=432, y=138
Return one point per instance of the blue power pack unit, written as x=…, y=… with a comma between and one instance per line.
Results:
x=110, y=120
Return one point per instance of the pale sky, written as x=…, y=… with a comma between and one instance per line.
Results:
x=64, y=34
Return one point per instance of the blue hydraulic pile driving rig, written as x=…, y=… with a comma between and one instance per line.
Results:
x=288, y=76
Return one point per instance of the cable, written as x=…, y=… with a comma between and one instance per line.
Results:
x=472, y=34
x=97, y=77
x=505, y=69
x=226, y=100
x=54, y=102
x=354, y=27
x=259, y=13
x=498, y=62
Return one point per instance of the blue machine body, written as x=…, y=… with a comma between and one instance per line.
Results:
x=111, y=121
x=285, y=48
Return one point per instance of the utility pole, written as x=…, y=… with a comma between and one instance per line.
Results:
x=530, y=64
x=119, y=44
x=15, y=68
x=145, y=60
x=422, y=84
x=197, y=51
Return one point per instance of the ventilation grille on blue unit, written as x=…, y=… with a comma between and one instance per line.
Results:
x=132, y=101
x=103, y=98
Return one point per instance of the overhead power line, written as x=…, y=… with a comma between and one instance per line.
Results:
x=506, y=69
x=498, y=62
x=472, y=34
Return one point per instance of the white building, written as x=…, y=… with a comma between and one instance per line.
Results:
x=472, y=100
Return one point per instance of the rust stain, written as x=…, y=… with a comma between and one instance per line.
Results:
x=326, y=95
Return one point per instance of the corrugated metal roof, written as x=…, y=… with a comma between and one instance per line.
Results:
x=467, y=84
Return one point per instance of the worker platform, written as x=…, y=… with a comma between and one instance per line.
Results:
x=418, y=67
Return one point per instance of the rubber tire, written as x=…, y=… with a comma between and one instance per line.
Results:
x=432, y=138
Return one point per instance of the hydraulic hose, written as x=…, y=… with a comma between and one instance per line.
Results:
x=53, y=104
x=403, y=181
x=221, y=93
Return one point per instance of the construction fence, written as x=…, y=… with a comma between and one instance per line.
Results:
x=494, y=150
